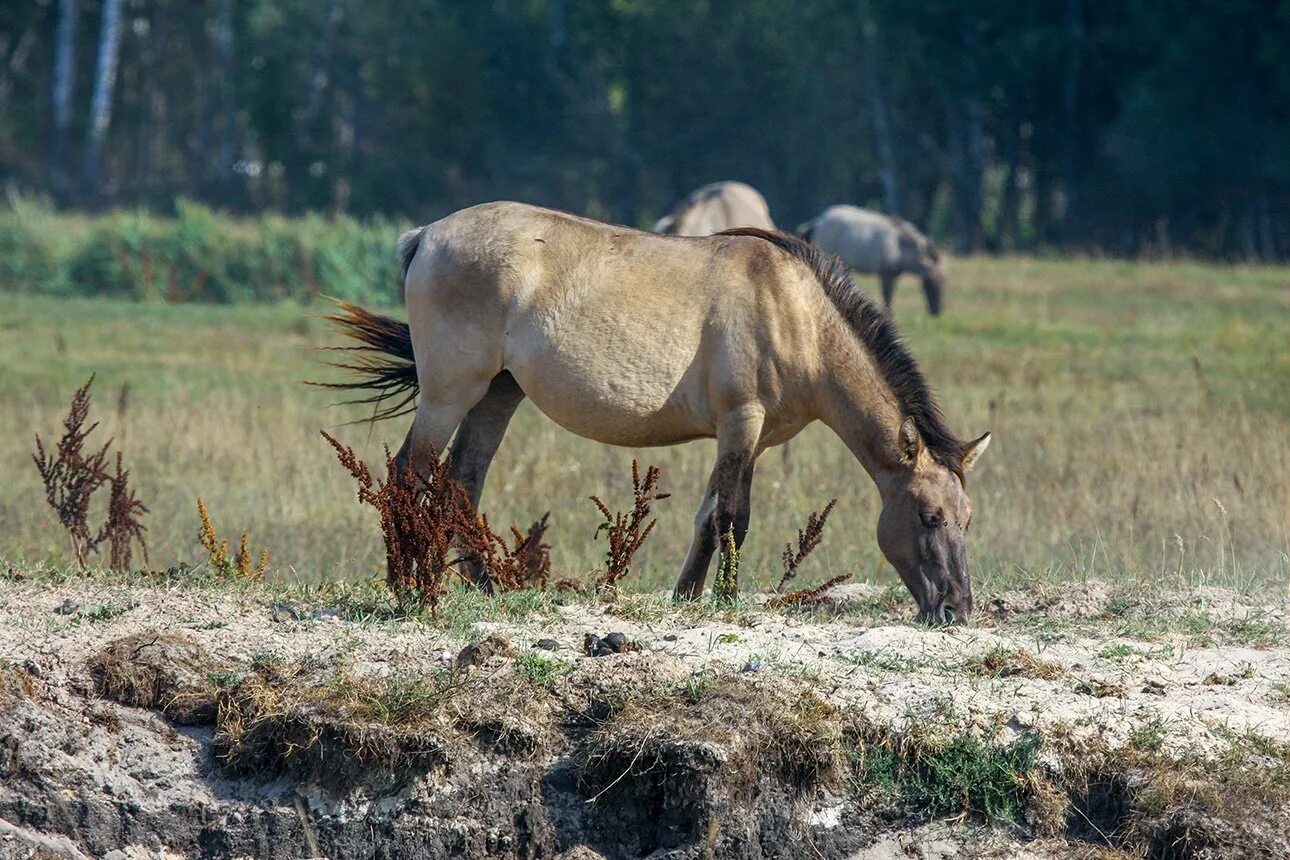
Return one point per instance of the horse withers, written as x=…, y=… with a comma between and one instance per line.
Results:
x=638, y=339
x=881, y=245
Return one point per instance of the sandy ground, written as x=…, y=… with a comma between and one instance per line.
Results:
x=1075, y=663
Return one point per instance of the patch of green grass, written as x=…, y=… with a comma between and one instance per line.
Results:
x=228, y=678
x=1148, y=735
x=932, y=771
x=462, y=608
x=1118, y=651
x=104, y=612
x=1257, y=631
x=699, y=685
x=393, y=700
x=264, y=660
x=541, y=671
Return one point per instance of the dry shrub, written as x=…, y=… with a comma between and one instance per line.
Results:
x=533, y=552
x=122, y=529
x=808, y=539
x=424, y=516
x=807, y=596
x=627, y=532
x=72, y=475
x=527, y=564
x=420, y=516
x=217, y=549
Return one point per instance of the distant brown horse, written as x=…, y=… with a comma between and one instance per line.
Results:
x=638, y=339
x=716, y=207
x=881, y=245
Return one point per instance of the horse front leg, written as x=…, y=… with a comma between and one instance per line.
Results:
x=888, y=280
x=726, y=505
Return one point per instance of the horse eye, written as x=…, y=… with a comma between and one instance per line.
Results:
x=930, y=520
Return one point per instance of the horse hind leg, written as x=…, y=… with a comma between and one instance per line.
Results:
x=477, y=441
x=480, y=434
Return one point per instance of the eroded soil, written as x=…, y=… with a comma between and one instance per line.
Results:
x=261, y=725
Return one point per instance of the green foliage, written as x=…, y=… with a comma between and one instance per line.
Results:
x=1149, y=735
x=1127, y=127
x=198, y=255
x=541, y=671
x=932, y=772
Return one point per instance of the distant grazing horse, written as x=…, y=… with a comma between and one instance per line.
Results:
x=637, y=339
x=716, y=207
x=877, y=244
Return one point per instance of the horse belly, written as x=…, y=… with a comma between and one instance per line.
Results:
x=606, y=386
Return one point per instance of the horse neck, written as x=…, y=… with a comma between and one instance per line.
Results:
x=860, y=407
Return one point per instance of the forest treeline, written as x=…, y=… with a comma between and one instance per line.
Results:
x=1105, y=126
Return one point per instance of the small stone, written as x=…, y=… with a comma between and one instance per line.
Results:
x=755, y=665
x=478, y=652
x=285, y=612
x=591, y=645
x=670, y=637
x=547, y=645
x=67, y=607
x=327, y=613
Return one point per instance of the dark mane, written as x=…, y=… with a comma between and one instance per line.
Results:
x=878, y=333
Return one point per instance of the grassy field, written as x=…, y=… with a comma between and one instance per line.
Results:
x=1141, y=415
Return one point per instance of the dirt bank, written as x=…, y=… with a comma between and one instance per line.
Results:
x=217, y=722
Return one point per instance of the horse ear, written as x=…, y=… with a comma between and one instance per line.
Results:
x=975, y=449
x=910, y=441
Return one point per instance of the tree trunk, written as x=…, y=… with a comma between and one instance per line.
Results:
x=101, y=101
x=64, y=78
x=227, y=98
x=1267, y=238
x=881, y=116
x=1008, y=229
x=1070, y=115
x=967, y=147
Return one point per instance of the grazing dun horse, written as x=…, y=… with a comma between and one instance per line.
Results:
x=879, y=245
x=637, y=339
x=717, y=207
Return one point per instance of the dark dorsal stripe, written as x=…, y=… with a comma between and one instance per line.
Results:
x=877, y=331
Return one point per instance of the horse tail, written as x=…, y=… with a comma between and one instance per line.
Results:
x=383, y=363
x=409, y=242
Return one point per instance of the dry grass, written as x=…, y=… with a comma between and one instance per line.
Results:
x=1002, y=662
x=1109, y=450
x=163, y=671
